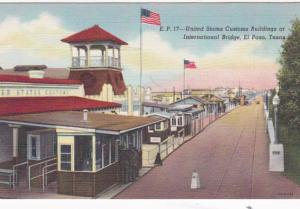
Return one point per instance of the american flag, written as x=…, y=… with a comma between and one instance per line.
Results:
x=150, y=17
x=189, y=64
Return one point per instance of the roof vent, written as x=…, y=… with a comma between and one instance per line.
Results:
x=36, y=73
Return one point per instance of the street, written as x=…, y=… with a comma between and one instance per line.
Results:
x=231, y=157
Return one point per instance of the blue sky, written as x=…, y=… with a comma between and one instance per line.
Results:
x=122, y=19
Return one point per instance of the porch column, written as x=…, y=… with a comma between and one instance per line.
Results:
x=119, y=57
x=15, y=129
x=78, y=57
x=71, y=53
x=102, y=58
x=78, y=52
x=106, y=56
x=88, y=56
x=113, y=59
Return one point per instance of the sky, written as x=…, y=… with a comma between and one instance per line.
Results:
x=31, y=34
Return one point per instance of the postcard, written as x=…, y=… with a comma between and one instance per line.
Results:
x=144, y=100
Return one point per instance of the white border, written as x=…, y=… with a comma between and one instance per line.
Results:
x=149, y=204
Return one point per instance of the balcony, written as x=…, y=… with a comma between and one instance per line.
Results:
x=95, y=61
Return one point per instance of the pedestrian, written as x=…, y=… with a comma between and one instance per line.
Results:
x=124, y=166
x=135, y=164
x=158, y=160
x=131, y=165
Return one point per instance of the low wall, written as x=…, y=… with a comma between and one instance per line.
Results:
x=87, y=184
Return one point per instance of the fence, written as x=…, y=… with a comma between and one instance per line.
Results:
x=40, y=171
x=172, y=143
x=270, y=126
x=164, y=148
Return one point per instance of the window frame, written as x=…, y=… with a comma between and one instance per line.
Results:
x=180, y=121
x=66, y=162
x=173, y=121
x=38, y=147
x=158, y=128
x=151, y=128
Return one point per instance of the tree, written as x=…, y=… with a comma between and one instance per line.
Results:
x=289, y=78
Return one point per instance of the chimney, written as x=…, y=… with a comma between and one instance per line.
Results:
x=85, y=115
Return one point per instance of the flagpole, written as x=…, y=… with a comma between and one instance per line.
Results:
x=183, y=80
x=141, y=64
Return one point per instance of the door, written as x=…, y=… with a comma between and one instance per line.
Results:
x=33, y=147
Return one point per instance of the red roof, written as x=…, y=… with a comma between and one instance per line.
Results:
x=26, y=79
x=92, y=34
x=24, y=105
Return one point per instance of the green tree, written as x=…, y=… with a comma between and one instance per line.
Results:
x=289, y=78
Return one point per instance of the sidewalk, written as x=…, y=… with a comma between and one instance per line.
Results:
x=117, y=189
x=231, y=157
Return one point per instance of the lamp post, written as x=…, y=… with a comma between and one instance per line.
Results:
x=276, y=102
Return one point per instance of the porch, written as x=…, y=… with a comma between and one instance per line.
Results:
x=96, y=55
x=28, y=157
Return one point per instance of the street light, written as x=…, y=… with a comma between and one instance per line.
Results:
x=276, y=102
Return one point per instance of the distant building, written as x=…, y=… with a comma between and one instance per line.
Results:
x=166, y=97
x=152, y=107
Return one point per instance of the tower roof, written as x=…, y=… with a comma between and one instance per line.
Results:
x=92, y=34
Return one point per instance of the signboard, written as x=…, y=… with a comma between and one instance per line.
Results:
x=155, y=139
x=174, y=128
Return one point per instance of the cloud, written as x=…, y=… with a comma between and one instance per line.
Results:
x=238, y=56
x=236, y=61
x=32, y=42
x=37, y=41
x=158, y=54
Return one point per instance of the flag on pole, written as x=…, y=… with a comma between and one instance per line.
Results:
x=150, y=17
x=189, y=64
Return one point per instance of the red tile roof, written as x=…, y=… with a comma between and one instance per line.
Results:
x=92, y=34
x=25, y=105
x=26, y=79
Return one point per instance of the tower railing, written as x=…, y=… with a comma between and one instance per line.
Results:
x=95, y=61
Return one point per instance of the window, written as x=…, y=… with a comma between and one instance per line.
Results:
x=131, y=140
x=124, y=141
x=140, y=140
x=105, y=150
x=65, y=157
x=113, y=147
x=54, y=145
x=173, y=121
x=151, y=128
x=179, y=121
x=98, y=153
x=166, y=125
x=33, y=147
x=157, y=126
x=83, y=153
